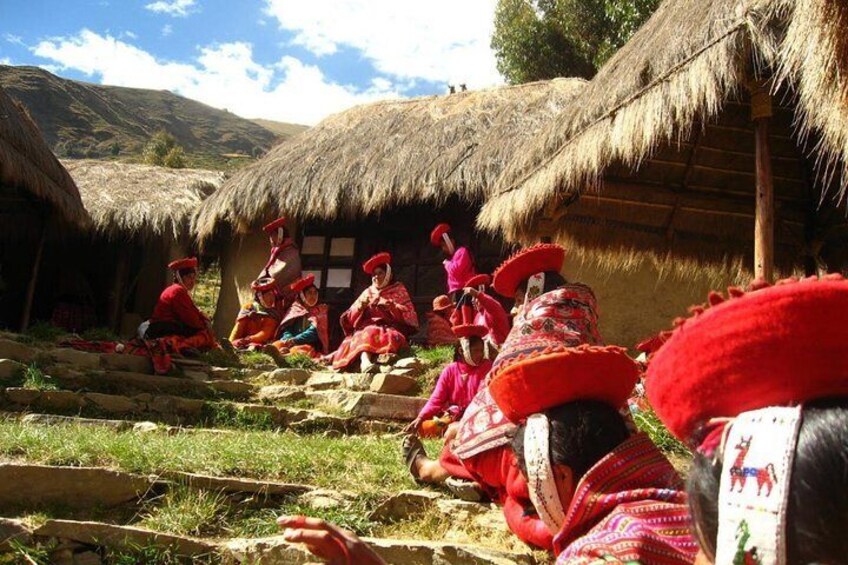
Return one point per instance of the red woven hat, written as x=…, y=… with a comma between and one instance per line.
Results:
x=466, y=326
x=181, y=264
x=442, y=303
x=274, y=226
x=438, y=232
x=549, y=358
x=303, y=283
x=782, y=345
x=263, y=284
x=383, y=258
x=526, y=263
x=479, y=280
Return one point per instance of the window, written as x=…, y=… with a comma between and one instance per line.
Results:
x=339, y=278
x=313, y=245
x=342, y=246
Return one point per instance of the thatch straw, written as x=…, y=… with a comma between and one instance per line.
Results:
x=389, y=154
x=27, y=162
x=145, y=201
x=677, y=71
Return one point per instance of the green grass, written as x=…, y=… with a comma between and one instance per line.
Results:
x=45, y=332
x=225, y=415
x=437, y=356
x=302, y=361
x=185, y=511
x=33, y=377
x=648, y=422
x=207, y=289
x=256, y=360
x=360, y=463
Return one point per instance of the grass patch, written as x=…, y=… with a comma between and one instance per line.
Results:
x=364, y=464
x=100, y=334
x=427, y=381
x=45, y=332
x=302, y=361
x=648, y=422
x=151, y=555
x=185, y=511
x=207, y=289
x=437, y=356
x=219, y=358
x=33, y=377
x=256, y=360
x=225, y=415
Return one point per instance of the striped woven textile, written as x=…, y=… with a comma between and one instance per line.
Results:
x=629, y=508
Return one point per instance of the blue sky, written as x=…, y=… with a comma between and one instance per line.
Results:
x=289, y=60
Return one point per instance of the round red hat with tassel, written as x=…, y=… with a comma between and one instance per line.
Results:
x=383, y=258
x=526, y=263
x=466, y=326
x=264, y=284
x=778, y=345
x=183, y=264
x=274, y=226
x=436, y=236
x=303, y=283
x=479, y=280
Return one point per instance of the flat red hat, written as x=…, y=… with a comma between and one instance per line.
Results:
x=438, y=232
x=383, y=258
x=303, y=283
x=463, y=319
x=550, y=358
x=479, y=280
x=526, y=263
x=181, y=264
x=263, y=284
x=781, y=345
x=274, y=226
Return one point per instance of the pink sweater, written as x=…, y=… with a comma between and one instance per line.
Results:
x=456, y=387
x=494, y=317
x=460, y=268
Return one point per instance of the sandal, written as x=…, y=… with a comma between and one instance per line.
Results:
x=412, y=449
x=275, y=354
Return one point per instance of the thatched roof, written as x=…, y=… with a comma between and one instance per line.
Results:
x=144, y=201
x=27, y=163
x=388, y=154
x=670, y=112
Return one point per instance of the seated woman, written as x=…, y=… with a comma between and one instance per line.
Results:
x=379, y=321
x=458, y=383
x=439, y=330
x=304, y=328
x=757, y=385
x=489, y=313
x=257, y=321
x=176, y=319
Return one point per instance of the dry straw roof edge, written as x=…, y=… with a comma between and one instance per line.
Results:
x=681, y=66
x=388, y=154
x=27, y=162
x=134, y=200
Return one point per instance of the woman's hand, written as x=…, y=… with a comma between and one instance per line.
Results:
x=329, y=542
x=240, y=343
x=472, y=291
x=412, y=427
x=451, y=432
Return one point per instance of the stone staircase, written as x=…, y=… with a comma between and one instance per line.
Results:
x=119, y=393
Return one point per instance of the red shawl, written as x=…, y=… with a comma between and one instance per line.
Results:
x=629, y=507
x=395, y=309
x=316, y=315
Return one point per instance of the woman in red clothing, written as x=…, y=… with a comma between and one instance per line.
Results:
x=176, y=318
x=378, y=322
x=257, y=321
x=284, y=264
x=459, y=263
x=439, y=330
x=488, y=313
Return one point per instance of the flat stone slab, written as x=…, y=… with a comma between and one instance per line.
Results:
x=281, y=393
x=405, y=504
x=233, y=389
x=325, y=381
x=112, y=536
x=276, y=551
x=237, y=485
x=53, y=420
x=126, y=362
x=79, y=359
x=74, y=487
x=289, y=376
x=393, y=383
x=10, y=369
x=128, y=383
x=16, y=351
x=372, y=405
x=13, y=531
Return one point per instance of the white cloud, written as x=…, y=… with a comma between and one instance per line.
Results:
x=223, y=76
x=14, y=39
x=437, y=40
x=167, y=30
x=130, y=34
x=5, y=61
x=174, y=8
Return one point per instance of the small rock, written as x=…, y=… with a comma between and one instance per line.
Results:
x=61, y=400
x=412, y=363
x=111, y=403
x=325, y=381
x=87, y=558
x=281, y=393
x=126, y=362
x=290, y=376
x=217, y=373
x=385, y=368
x=387, y=358
x=358, y=381
x=10, y=369
x=22, y=396
x=16, y=351
x=79, y=359
x=176, y=405
x=324, y=499
x=232, y=388
x=392, y=383
x=404, y=505
x=403, y=373
x=145, y=427
x=198, y=376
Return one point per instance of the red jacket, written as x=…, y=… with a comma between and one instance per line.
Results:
x=175, y=305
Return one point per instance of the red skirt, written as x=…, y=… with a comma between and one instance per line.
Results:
x=370, y=339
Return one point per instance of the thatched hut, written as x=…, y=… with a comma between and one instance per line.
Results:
x=140, y=221
x=39, y=204
x=715, y=116
x=373, y=177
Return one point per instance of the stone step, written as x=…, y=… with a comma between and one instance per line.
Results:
x=371, y=405
x=237, y=485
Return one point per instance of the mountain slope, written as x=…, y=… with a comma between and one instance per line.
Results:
x=80, y=119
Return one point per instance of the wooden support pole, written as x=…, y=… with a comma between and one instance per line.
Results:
x=33, y=276
x=761, y=111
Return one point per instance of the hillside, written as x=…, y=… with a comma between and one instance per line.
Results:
x=282, y=129
x=80, y=119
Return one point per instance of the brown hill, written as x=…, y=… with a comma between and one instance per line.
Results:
x=81, y=119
